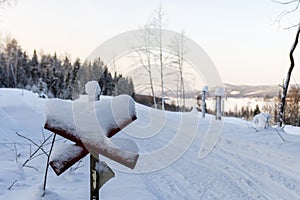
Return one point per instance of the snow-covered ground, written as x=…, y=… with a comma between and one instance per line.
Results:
x=245, y=163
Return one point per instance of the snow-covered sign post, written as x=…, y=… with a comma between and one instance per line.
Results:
x=105, y=173
x=90, y=125
x=204, y=91
x=219, y=93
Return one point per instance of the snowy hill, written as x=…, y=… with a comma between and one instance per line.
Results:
x=245, y=164
x=261, y=91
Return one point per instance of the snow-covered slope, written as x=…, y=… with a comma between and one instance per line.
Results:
x=245, y=164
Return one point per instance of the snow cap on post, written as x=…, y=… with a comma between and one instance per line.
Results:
x=93, y=90
x=205, y=88
x=219, y=92
x=262, y=120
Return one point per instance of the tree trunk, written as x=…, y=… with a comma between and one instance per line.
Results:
x=161, y=70
x=152, y=89
x=287, y=80
x=47, y=166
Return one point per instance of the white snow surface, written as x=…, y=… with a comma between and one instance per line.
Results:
x=262, y=120
x=243, y=165
x=292, y=130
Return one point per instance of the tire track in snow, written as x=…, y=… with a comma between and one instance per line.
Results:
x=276, y=183
x=164, y=186
x=271, y=164
x=219, y=168
x=196, y=178
x=211, y=179
x=229, y=172
x=242, y=179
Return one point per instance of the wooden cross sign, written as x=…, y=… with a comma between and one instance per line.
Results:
x=90, y=125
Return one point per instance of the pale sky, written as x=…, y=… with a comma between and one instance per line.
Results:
x=238, y=35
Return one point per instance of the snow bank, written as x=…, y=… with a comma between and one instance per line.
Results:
x=6, y=123
x=262, y=120
x=292, y=130
x=18, y=108
x=194, y=111
x=33, y=193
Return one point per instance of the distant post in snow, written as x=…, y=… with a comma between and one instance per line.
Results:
x=219, y=93
x=203, y=107
x=93, y=89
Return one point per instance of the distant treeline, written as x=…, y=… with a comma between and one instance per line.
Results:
x=56, y=77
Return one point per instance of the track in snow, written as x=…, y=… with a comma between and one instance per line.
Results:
x=237, y=168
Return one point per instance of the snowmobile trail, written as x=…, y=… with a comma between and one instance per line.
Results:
x=235, y=169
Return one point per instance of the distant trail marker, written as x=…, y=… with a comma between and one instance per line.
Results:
x=203, y=107
x=219, y=93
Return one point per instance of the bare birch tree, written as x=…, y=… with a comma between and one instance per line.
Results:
x=287, y=79
x=145, y=53
x=158, y=23
x=285, y=86
x=152, y=54
x=179, y=51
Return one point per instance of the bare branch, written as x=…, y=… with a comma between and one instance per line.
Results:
x=33, y=154
x=31, y=167
x=47, y=166
x=287, y=12
x=138, y=51
x=13, y=183
x=78, y=166
x=37, y=155
x=32, y=141
x=293, y=26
